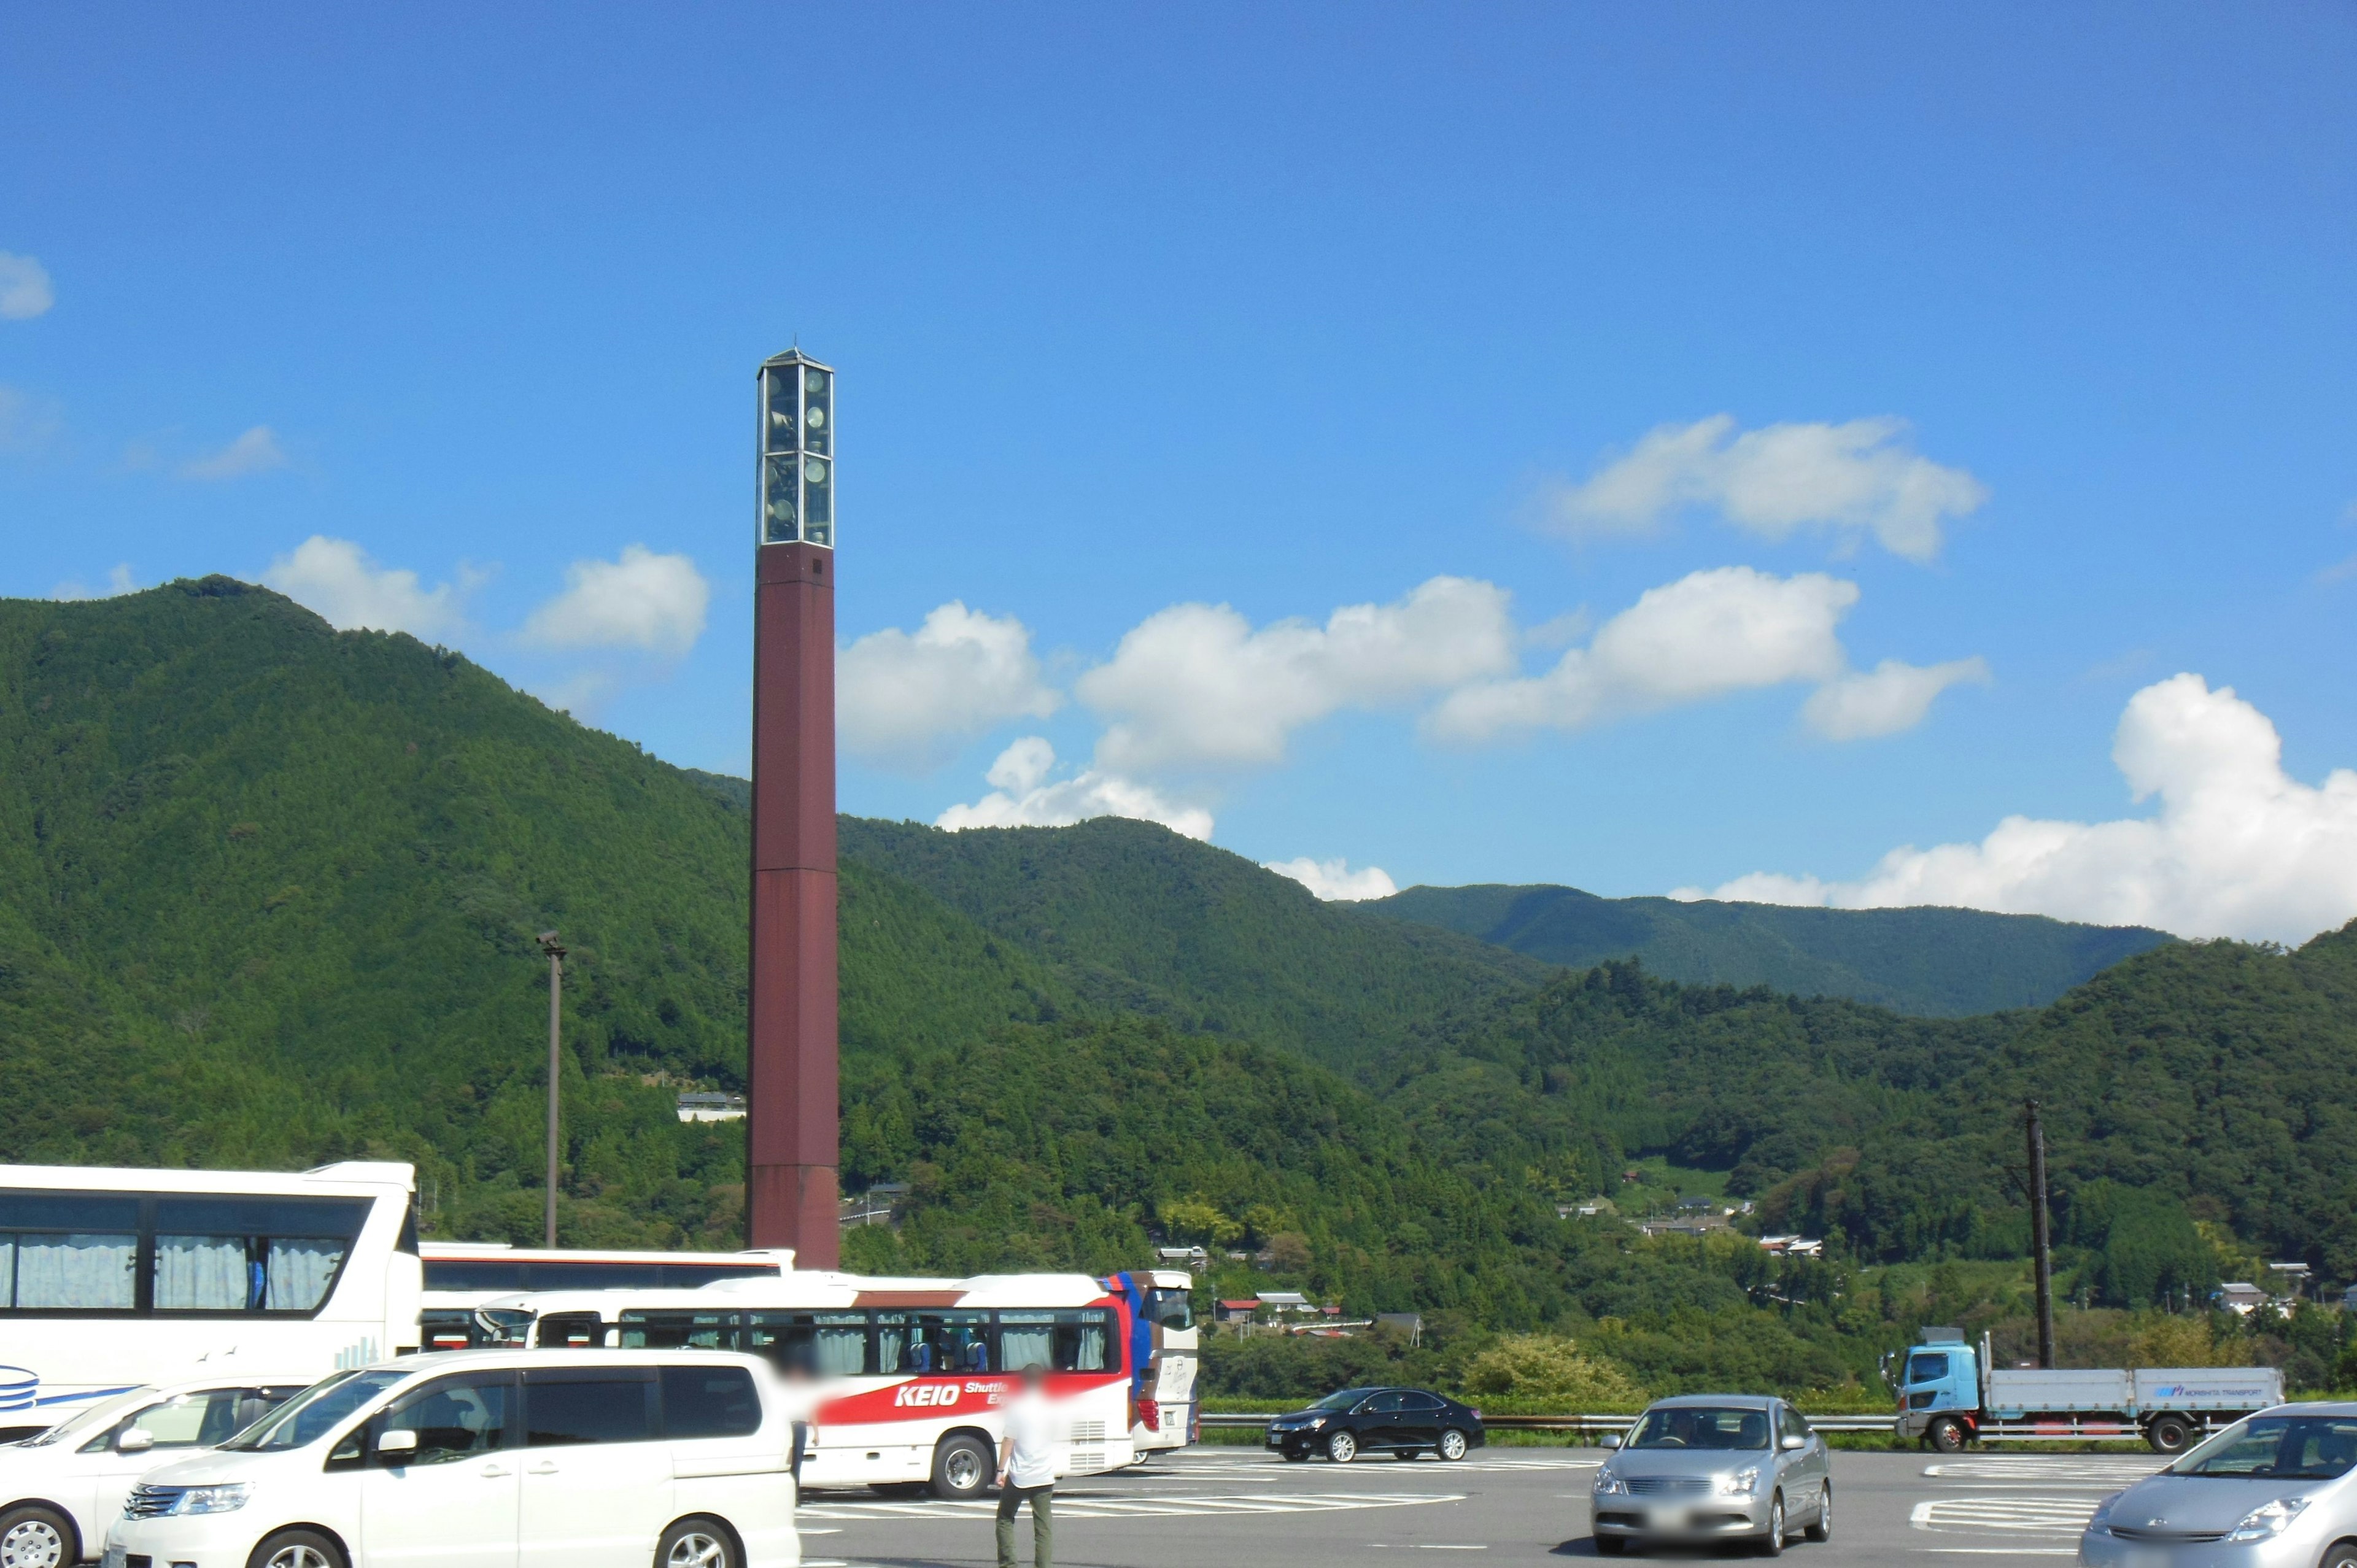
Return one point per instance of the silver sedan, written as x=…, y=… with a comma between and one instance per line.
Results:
x=2272, y=1490
x=1714, y=1467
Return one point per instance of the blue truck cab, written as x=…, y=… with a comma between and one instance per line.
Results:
x=1942, y=1374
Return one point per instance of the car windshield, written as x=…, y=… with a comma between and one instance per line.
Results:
x=313, y=1413
x=2278, y=1447
x=1343, y=1400
x=96, y=1416
x=1701, y=1426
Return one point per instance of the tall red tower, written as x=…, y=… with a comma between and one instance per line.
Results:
x=789, y=1190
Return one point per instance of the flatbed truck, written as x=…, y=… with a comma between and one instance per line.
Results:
x=1951, y=1394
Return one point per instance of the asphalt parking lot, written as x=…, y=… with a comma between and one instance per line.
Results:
x=1221, y=1506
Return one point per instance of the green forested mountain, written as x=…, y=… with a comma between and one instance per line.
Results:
x=267, y=893
x=1936, y=963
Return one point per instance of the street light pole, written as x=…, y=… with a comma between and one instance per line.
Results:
x=556, y=952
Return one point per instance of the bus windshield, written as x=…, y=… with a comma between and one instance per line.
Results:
x=313, y=1413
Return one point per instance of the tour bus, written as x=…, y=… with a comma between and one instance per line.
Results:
x=462, y=1276
x=1167, y=1403
x=112, y=1278
x=905, y=1375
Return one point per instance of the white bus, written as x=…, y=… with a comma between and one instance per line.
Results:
x=1169, y=1405
x=112, y=1278
x=462, y=1276
x=907, y=1375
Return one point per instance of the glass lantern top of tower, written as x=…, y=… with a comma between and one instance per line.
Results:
x=796, y=451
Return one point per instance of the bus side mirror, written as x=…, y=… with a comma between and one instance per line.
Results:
x=398, y=1443
x=138, y=1440
x=1609, y=1440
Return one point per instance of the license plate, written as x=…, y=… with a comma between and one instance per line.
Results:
x=1666, y=1519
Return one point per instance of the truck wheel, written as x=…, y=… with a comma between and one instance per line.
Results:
x=2168, y=1435
x=1945, y=1436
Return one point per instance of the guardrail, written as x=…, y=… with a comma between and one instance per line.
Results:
x=1574, y=1423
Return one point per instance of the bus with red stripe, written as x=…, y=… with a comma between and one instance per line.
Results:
x=904, y=1380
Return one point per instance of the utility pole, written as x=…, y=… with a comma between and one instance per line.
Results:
x=2041, y=1243
x=556, y=952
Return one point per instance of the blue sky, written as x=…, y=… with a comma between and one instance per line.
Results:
x=1284, y=309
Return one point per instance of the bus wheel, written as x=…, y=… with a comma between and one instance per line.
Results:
x=961, y=1468
x=2168, y=1435
x=1946, y=1437
x=34, y=1537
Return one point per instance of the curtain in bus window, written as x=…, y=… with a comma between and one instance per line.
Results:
x=893, y=1350
x=1025, y=1339
x=822, y=1344
x=203, y=1273
x=298, y=1272
x=678, y=1331
x=1082, y=1338
x=89, y=1270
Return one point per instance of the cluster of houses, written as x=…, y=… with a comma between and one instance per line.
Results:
x=1696, y=1216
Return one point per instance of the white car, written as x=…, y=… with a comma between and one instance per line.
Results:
x=491, y=1459
x=61, y=1489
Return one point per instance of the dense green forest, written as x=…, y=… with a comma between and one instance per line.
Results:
x=267, y=895
x=1940, y=963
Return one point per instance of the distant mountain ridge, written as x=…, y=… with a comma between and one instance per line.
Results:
x=1928, y=962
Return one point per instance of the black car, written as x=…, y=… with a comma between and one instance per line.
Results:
x=1402, y=1422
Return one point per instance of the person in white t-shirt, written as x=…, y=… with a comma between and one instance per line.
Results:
x=1027, y=1470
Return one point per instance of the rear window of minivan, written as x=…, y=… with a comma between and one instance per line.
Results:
x=709, y=1402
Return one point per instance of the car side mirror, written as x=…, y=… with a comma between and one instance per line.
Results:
x=1609, y=1440
x=138, y=1440
x=1793, y=1441
x=399, y=1442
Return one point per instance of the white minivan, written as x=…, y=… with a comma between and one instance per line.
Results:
x=59, y=1490
x=491, y=1459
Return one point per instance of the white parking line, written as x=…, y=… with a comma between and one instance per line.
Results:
x=1081, y=1505
x=2008, y=1511
x=2090, y=1470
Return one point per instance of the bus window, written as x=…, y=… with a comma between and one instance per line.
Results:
x=1170, y=1309
x=892, y=1348
x=678, y=1331
x=251, y=1255
x=949, y=1342
x=571, y=1331
x=68, y=1249
x=1067, y=1341
x=821, y=1344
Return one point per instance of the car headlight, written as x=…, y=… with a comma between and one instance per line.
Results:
x=2103, y=1512
x=226, y=1498
x=1740, y=1483
x=1608, y=1485
x=2269, y=1519
x=1317, y=1423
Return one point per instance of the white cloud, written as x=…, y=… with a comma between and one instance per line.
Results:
x=1774, y=481
x=337, y=578
x=1195, y=685
x=1890, y=698
x=1024, y=796
x=1333, y=880
x=2237, y=848
x=27, y=421
x=908, y=699
x=255, y=452
x=1708, y=634
x=645, y=601
x=25, y=290
x=118, y=583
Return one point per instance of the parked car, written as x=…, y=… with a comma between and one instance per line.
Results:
x=1714, y=1466
x=463, y=1459
x=1402, y=1422
x=60, y=1488
x=2276, y=1487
